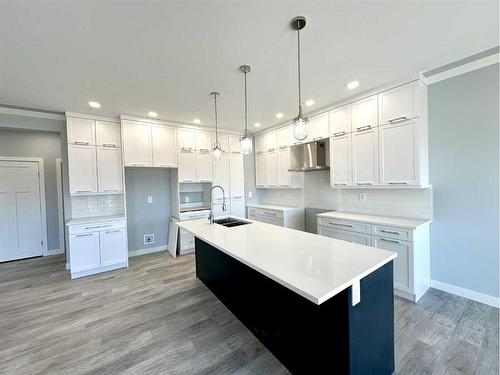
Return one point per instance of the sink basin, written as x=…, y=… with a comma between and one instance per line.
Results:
x=230, y=222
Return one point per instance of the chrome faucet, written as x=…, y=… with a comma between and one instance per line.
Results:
x=211, y=214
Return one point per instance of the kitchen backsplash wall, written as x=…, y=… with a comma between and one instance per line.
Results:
x=92, y=205
x=317, y=193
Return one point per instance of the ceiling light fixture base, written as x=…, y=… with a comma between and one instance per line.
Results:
x=245, y=68
x=298, y=23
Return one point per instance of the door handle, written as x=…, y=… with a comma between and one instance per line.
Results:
x=398, y=183
x=397, y=119
x=84, y=235
x=113, y=231
x=366, y=127
x=338, y=134
x=390, y=232
x=81, y=143
x=387, y=240
x=83, y=191
x=364, y=183
x=109, y=145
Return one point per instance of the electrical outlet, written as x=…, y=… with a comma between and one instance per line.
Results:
x=150, y=199
x=362, y=197
x=104, y=204
x=250, y=194
x=186, y=199
x=149, y=239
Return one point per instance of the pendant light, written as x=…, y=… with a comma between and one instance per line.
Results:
x=300, y=122
x=216, y=150
x=246, y=139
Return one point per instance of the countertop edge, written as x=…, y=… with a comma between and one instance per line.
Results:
x=391, y=220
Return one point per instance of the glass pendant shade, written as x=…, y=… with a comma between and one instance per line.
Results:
x=300, y=127
x=216, y=151
x=246, y=142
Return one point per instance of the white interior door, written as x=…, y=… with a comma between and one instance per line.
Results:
x=20, y=211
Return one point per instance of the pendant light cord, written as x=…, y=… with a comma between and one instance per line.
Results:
x=246, y=110
x=216, y=128
x=298, y=65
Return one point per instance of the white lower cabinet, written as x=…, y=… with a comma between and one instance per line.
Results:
x=97, y=247
x=289, y=217
x=359, y=238
x=402, y=264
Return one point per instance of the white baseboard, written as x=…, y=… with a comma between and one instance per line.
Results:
x=466, y=293
x=54, y=252
x=67, y=266
x=149, y=250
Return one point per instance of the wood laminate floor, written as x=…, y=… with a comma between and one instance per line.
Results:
x=157, y=318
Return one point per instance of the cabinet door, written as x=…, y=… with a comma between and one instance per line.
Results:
x=234, y=144
x=113, y=247
x=237, y=176
x=204, y=166
x=365, y=157
x=260, y=144
x=238, y=207
x=82, y=169
x=340, y=160
x=403, y=264
x=398, y=104
x=81, y=131
x=109, y=170
x=261, y=170
x=283, y=167
x=345, y=235
x=164, y=146
x=108, y=134
x=272, y=168
x=84, y=252
x=399, y=153
x=136, y=143
x=318, y=127
x=185, y=139
x=204, y=140
x=340, y=121
x=271, y=142
x=364, y=113
x=283, y=137
x=221, y=176
x=187, y=166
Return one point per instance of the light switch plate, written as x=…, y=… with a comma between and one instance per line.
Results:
x=150, y=199
x=250, y=194
x=362, y=197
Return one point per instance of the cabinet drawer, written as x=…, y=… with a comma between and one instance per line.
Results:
x=194, y=215
x=392, y=232
x=271, y=214
x=345, y=235
x=252, y=216
x=96, y=227
x=187, y=242
x=274, y=221
x=253, y=211
x=403, y=264
x=352, y=226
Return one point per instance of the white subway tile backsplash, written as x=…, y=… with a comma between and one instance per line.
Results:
x=317, y=193
x=92, y=205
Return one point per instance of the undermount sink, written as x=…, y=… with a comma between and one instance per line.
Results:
x=230, y=222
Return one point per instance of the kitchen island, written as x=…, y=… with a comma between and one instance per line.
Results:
x=320, y=305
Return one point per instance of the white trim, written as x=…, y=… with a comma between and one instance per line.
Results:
x=462, y=69
x=41, y=188
x=149, y=250
x=55, y=252
x=62, y=247
x=466, y=293
x=31, y=113
x=92, y=116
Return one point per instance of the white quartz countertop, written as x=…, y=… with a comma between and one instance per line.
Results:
x=316, y=267
x=273, y=207
x=374, y=219
x=95, y=219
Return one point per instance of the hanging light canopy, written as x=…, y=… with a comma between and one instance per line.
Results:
x=300, y=122
x=246, y=139
x=216, y=150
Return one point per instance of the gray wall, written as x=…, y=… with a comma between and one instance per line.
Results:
x=142, y=217
x=46, y=145
x=464, y=172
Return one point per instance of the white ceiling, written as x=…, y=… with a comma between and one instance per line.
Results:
x=167, y=56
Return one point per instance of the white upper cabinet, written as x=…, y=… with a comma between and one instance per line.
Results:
x=108, y=134
x=234, y=144
x=270, y=139
x=221, y=175
x=365, y=157
x=399, y=153
x=340, y=121
x=164, y=147
x=185, y=139
x=340, y=160
x=81, y=131
x=261, y=170
x=399, y=104
x=204, y=165
x=186, y=160
x=318, y=127
x=204, y=140
x=283, y=137
x=272, y=168
x=364, y=113
x=260, y=144
x=237, y=176
x=82, y=170
x=136, y=143
x=283, y=167
x=109, y=170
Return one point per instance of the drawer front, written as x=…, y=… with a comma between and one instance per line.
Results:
x=392, y=232
x=352, y=226
x=274, y=221
x=253, y=216
x=96, y=227
x=359, y=238
x=253, y=211
x=187, y=242
x=403, y=264
x=271, y=214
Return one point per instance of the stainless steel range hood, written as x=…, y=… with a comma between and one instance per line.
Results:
x=313, y=157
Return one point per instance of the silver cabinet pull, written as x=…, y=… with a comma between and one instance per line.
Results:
x=260, y=152
x=236, y=152
x=186, y=149
x=338, y=184
x=366, y=127
x=84, y=235
x=204, y=180
x=397, y=119
x=187, y=180
x=271, y=149
x=338, y=134
x=314, y=139
x=98, y=227
x=203, y=151
x=387, y=240
x=282, y=147
x=398, y=183
x=297, y=143
x=84, y=191
x=113, y=231
x=390, y=232
x=109, y=145
x=81, y=143
x=340, y=225
x=237, y=197
x=364, y=183
x=111, y=189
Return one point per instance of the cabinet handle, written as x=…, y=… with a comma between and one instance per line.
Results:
x=203, y=151
x=111, y=190
x=81, y=143
x=282, y=147
x=314, y=139
x=165, y=165
x=186, y=149
x=390, y=232
x=297, y=143
x=98, y=227
x=284, y=185
x=84, y=235
x=271, y=149
x=260, y=152
x=137, y=165
x=236, y=152
x=397, y=119
x=83, y=191
x=364, y=183
x=187, y=180
x=366, y=127
x=204, y=180
x=237, y=197
x=338, y=184
x=340, y=225
x=113, y=231
x=398, y=183
x=338, y=134
x=387, y=240
x=109, y=145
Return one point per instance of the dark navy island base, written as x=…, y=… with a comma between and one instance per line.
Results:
x=331, y=338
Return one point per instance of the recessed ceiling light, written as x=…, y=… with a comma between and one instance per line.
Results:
x=94, y=104
x=352, y=85
x=309, y=102
x=257, y=124
x=196, y=120
x=279, y=115
x=153, y=114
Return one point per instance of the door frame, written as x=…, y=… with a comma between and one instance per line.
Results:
x=41, y=189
